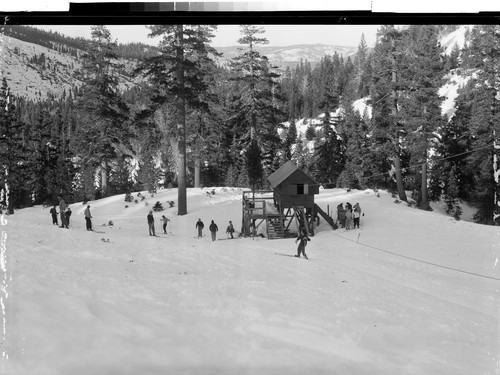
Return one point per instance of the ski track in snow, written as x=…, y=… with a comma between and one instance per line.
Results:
x=139, y=304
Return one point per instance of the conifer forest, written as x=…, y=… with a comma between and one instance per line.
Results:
x=193, y=119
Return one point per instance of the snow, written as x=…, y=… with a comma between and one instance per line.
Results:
x=33, y=82
x=456, y=37
x=411, y=292
x=28, y=79
x=363, y=108
x=455, y=80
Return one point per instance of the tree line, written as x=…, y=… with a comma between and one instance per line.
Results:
x=194, y=121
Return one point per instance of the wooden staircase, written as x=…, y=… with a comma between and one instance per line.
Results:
x=275, y=228
x=328, y=219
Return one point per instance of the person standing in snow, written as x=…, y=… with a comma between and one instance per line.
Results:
x=356, y=215
x=341, y=215
x=53, y=212
x=230, y=229
x=200, y=226
x=301, y=249
x=348, y=218
x=62, y=212
x=165, y=221
x=68, y=215
x=88, y=217
x=151, y=223
x=213, y=230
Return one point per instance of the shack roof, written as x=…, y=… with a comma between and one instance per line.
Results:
x=285, y=171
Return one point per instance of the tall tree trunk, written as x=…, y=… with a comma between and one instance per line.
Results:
x=197, y=171
x=104, y=178
x=181, y=125
x=88, y=183
x=424, y=201
x=399, y=178
x=8, y=198
x=397, y=160
x=496, y=175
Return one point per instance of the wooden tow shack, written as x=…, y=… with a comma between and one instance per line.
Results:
x=292, y=198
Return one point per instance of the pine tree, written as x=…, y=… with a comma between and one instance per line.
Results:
x=362, y=71
x=451, y=150
x=148, y=175
x=12, y=151
x=362, y=165
x=483, y=55
x=421, y=112
x=101, y=110
x=179, y=71
x=257, y=105
x=328, y=152
x=388, y=128
x=451, y=194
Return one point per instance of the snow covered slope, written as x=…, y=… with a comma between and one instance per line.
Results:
x=56, y=76
x=411, y=292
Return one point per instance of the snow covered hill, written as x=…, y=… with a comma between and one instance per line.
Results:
x=411, y=292
x=55, y=76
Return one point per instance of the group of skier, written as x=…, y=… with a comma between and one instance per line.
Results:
x=349, y=216
x=65, y=215
x=151, y=223
x=64, y=212
x=213, y=228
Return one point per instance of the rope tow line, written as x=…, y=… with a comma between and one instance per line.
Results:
x=417, y=260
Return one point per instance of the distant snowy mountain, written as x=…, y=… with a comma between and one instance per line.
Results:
x=291, y=55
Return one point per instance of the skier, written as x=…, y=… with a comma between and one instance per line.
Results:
x=200, y=226
x=88, y=216
x=165, y=221
x=356, y=215
x=62, y=210
x=301, y=249
x=348, y=218
x=151, y=223
x=213, y=230
x=68, y=215
x=230, y=229
x=53, y=212
x=341, y=215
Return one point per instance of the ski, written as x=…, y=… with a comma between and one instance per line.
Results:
x=292, y=256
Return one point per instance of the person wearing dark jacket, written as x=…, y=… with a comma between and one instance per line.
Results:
x=53, y=212
x=356, y=215
x=151, y=223
x=62, y=212
x=200, y=226
x=230, y=229
x=68, y=215
x=301, y=249
x=341, y=215
x=88, y=218
x=213, y=230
